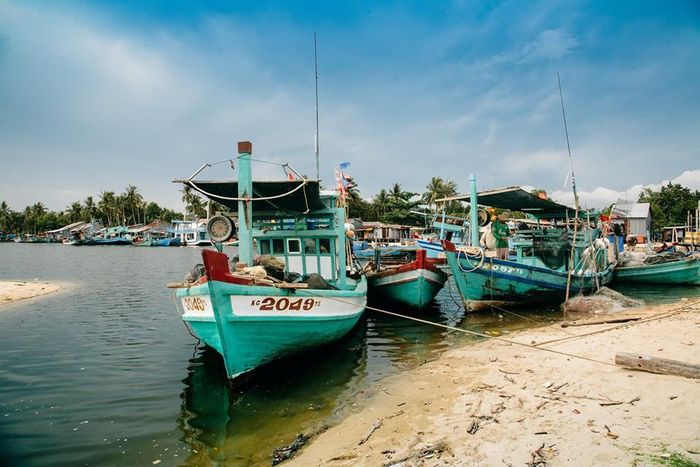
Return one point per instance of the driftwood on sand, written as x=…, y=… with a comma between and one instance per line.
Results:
x=657, y=365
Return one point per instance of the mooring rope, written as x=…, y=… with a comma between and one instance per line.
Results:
x=464, y=331
x=662, y=315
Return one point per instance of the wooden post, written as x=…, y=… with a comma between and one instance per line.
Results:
x=657, y=365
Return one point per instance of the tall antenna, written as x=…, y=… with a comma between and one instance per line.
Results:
x=573, y=185
x=568, y=146
x=316, y=135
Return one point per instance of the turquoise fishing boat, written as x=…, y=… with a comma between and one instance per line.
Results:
x=681, y=272
x=251, y=320
x=537, y=269
x=109, y=236
x=405, y=276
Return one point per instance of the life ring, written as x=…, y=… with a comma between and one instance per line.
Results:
x=220, y=228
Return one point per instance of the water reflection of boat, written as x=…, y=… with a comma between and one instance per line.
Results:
x=292, y=395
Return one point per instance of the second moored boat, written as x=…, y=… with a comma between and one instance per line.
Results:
x=549, y=261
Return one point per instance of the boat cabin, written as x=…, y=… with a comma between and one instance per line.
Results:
x=292, y=220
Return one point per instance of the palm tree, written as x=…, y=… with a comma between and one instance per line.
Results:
x=196, y=207
x=38, y=210
x=381, y=202
x=438, y=188
x=90, y=209
x=107, y=205
x=4, y=215
x=29, y=222
x=133, y=201
x=396, y=193
x=187, y=197
x=120, y=206
x=433, y=191
x=74, y=211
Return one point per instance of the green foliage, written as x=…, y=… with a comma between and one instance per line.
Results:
x=110, y=209
x=669, y=205
x=394, y=205
x=672, y=459
x=194, y=205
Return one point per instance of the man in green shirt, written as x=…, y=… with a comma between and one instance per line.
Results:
x=500, y=231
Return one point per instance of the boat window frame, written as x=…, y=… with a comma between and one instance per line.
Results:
x=297, y=250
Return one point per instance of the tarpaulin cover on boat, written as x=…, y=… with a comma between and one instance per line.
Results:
x=517, y=199
x=301, y=200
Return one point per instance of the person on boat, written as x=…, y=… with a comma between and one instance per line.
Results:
x=501, y=232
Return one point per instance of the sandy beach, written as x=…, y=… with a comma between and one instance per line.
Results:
x=11, y=291
x=496, y=403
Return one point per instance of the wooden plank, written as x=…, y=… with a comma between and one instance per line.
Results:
x=657, y=365
x=296, y=285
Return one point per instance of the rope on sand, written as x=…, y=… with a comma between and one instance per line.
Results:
x=665, y=314
x=464, y=331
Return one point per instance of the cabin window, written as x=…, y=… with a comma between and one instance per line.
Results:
x=293, y=245
x=310, y=246
x=324, y=245
x=278, y=246
x=264, y=247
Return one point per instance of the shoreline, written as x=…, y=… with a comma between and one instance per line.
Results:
x=497, y=403
x=13, y=291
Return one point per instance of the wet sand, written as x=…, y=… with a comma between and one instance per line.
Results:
x=495, y=403
x=11, y=291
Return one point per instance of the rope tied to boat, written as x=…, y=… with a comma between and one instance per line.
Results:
x=464, y=331
x=468, y=252
x=303, y=183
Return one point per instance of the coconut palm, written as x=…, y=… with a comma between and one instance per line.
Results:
x=186, y=197
x=74, y=211
x=380, y=202
x=107, y=205
x=133, y=201
x=89, y=210
x=4, y=215
x=196, y=207
x=396, y=193
x=433, y=191
x=438, y=188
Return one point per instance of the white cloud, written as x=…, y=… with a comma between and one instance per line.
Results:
x=601, y=196
x=551, y=44
x=543, y=163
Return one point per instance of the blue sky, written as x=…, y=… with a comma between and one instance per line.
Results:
x=97, y=95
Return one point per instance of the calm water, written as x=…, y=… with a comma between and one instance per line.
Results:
x=105, y=373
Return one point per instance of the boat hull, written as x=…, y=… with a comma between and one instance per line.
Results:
x=104, y=242
x=508, y=282
x=416, y=288
x=683, y=272
x=251, y=325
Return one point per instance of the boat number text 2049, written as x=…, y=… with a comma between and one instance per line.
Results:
x=284, y=303
x=194, y=304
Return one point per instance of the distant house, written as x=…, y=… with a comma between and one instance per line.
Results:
x=379, y=232
x=635, y=216
x=65, y=231
x=156, y=226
